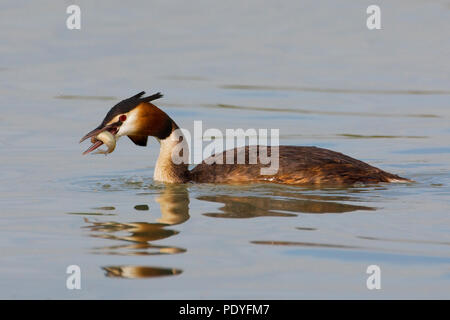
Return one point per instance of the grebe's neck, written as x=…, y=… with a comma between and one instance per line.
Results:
x=172, y=164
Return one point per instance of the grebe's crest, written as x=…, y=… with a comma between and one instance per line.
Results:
x=127, y=105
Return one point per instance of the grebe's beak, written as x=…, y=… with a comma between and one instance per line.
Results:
x=131, y=117
x=112, y=128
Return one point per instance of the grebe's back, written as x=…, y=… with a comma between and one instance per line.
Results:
x=297, y=165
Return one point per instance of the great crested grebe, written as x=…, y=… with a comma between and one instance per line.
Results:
x=138, y=118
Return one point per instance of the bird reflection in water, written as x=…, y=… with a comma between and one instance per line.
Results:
x=133, y=272
x=174, y=205
x=280, y=204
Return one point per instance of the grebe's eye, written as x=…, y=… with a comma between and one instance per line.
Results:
x=122, y=118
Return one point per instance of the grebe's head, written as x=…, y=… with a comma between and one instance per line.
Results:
x=134, y=117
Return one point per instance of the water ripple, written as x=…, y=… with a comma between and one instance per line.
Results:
x=333, y=90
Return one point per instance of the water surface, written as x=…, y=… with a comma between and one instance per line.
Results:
x=312, y=70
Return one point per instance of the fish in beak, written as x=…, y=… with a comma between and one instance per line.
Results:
x=123, y=119
x=102, y=135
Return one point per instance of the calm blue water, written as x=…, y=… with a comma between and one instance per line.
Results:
x=311, y=69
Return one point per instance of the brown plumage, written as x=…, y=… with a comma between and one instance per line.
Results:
x=137, y=118
x=297, y=165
